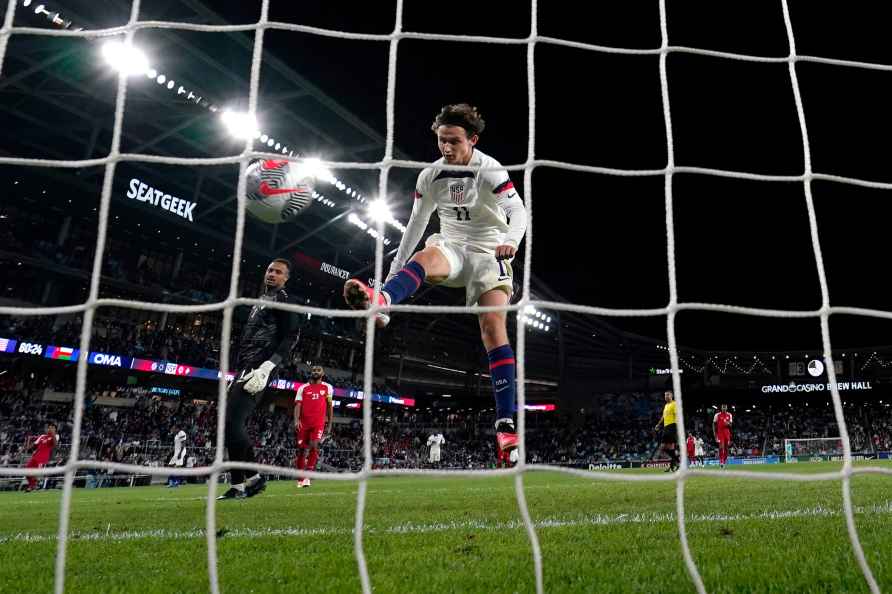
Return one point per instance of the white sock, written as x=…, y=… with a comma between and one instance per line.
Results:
x=239, y=487
x=509, y=421
x=253, y=479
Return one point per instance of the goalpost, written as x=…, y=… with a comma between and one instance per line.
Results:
x=819, y=448
x=670, y=310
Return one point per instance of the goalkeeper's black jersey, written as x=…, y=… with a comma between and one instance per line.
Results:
x=269, y=334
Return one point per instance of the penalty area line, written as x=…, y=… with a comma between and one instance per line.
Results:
x=424, y=528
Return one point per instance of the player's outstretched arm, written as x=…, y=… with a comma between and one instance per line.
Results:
x=257, y=379
x=288, y=322
x=422, y=209
x=510, y=202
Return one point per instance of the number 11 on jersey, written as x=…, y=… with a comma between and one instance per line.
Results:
x=459, y=210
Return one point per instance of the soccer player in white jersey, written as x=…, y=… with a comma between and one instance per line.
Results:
x=698, y=450
x=434, y=442
x=179, y=455
x=482, y=222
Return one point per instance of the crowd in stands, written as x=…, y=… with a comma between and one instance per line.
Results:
x=191, y=340
x=142, y=433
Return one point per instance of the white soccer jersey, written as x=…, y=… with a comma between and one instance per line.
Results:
x=698, y=446
x=478, y=209
x=179, y=449
x=435, y=441
x=179, y=442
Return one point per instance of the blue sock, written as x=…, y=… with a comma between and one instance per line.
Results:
x=405, y=283
x=502, y=368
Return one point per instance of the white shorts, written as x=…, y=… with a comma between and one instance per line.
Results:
x=477, y=272
x=177, y=460
x=435, y=456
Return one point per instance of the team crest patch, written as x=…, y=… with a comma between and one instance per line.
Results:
x=457, y=192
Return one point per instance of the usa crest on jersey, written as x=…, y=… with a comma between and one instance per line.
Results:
x=457, y=192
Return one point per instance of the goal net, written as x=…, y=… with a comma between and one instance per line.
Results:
x=812, y=448
x=110, y=161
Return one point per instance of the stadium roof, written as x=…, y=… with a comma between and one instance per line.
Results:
x=61, y=96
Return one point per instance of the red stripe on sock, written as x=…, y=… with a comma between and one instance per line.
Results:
x=414, y=277
x=501, y=362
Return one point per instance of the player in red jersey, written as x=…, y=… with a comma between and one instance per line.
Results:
x=43, y=449
x=313, y=412
x=691, y=444
x=721, y=428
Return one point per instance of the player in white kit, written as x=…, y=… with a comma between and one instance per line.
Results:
x=698, y=450
x=179, y=456
x=434, y=442
x=482, y=222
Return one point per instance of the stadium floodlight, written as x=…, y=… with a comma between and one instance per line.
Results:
x=161, y=79
x=380, y=211
x=354, y=219
x=270, y=142
x=314, y=167
x=125, y=58
x=151, y=73
x=241, y=125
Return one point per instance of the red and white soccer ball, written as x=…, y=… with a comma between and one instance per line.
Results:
x=277, y=191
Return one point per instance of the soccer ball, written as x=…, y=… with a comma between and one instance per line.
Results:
x=277, y=191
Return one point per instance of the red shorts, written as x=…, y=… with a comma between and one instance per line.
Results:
x=724, y=437
x=36, y=463
x=309, y=432
x=690, y=452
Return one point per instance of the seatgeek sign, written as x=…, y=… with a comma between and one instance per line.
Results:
x=160, y=199
x=63, y=353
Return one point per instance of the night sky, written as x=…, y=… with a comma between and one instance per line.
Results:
x=600, y=239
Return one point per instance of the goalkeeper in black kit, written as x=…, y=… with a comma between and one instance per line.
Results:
x=266, y=341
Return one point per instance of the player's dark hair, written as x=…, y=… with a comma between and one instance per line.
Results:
x=460, y=114
x=284, y=261
x=51, y=425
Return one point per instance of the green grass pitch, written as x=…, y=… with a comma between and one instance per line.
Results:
x=458, y=534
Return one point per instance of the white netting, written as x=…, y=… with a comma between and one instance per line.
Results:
x=820, y=447
x=670, y=310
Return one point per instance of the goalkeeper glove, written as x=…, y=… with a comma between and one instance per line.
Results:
x=257, y=379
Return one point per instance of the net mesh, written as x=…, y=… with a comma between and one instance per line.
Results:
x=227, y=306
x=812, y=446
